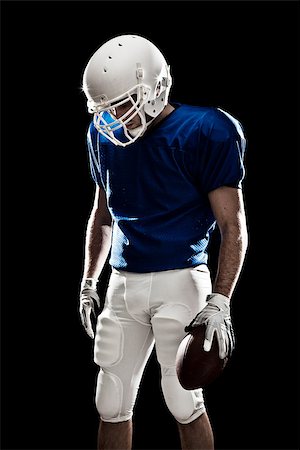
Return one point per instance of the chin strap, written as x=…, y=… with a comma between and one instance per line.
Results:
x=135, y=131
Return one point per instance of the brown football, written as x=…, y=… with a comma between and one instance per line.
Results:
x=195, y=367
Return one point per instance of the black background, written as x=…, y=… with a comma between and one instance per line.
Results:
x=239, y=56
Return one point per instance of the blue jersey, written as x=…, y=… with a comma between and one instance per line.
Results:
x=157, y=186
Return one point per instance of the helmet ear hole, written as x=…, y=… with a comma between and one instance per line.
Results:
x=158, y=89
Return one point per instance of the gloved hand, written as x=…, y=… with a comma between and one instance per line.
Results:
x=89, y=300
x=216, y=317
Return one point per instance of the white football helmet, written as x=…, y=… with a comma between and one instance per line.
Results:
x=127, y=68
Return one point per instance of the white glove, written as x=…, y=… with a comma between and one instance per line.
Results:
x=88, y=299
x=216, y=317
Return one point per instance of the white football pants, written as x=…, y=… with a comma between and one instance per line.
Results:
x=142, y=309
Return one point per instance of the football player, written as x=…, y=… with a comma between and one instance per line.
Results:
x=165, y=174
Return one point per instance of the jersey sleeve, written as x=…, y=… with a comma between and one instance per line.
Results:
x=222, y=160
x=93, y=153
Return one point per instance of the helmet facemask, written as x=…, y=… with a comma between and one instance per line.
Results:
x=107, y=122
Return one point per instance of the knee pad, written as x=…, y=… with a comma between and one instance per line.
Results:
x=184, y=405
x=109, y=396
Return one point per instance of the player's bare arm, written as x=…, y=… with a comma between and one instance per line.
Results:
x=228, y=208
x=98, y=236
x=97, y=246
